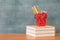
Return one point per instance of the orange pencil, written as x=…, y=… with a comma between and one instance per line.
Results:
x=34, y=10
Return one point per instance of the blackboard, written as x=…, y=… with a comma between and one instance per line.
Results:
x=15, y=15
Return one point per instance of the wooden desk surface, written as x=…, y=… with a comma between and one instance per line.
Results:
x=24, y=37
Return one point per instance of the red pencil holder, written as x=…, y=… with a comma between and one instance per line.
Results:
x=40, y=19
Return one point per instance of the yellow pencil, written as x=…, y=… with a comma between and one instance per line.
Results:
x=34, y=10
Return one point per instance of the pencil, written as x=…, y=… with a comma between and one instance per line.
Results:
x=38, y=8
x=34, y=10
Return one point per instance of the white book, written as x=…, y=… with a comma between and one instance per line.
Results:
x=40, y=28
x=40, y=35
x=41, y=32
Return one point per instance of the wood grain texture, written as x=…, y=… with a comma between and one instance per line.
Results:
x=24, y=37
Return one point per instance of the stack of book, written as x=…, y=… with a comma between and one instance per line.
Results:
x=36, y=31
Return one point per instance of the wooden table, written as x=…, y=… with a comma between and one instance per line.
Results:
x=24, y=37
